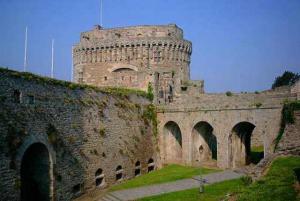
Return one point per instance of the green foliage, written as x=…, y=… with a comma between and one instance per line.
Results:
x=150, y=94
x=173, y=73
x=228, y=93
x=286, y=79
x=149, y=115
x=287, y=117
x=257, y=105
x=166, y=174
x=257, y=92
x=102, y=131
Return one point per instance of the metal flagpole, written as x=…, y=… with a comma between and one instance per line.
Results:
x=25, y=53
x=101, y=13
x=52, y=60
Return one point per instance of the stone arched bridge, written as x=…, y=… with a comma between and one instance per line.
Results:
x=220, y=127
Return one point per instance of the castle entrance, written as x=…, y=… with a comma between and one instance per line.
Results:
x=35, y=174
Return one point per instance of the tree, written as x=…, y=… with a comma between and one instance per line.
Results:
x=287, y=78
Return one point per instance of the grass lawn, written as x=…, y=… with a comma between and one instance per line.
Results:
x=166, y=174
x=277, y=185
x=213, y=192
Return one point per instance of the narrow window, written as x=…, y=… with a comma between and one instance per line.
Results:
x=151, y=165
x=137, y=170
x=99, y=176
x=119, y=173
x=105, y=78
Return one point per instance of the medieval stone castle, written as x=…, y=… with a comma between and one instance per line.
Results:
x=60, y=139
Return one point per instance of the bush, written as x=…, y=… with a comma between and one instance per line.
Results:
x=228, y=93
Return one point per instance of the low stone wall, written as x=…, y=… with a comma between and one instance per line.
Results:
x=87, y=132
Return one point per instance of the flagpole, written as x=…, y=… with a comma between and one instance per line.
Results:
x=25, y=51
x=101, y=15
x=52, y=60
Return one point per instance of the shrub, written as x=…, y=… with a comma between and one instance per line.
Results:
x=102, y=131
x=257, y=105
x=228, y=93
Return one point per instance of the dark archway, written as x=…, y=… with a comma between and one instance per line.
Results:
x=35, y=174
x=240, y=144
x=204, y=143
x=172, y=143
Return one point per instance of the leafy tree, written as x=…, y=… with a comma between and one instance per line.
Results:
x=287, y=78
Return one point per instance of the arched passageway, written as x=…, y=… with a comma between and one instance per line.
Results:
x=240, y=144
x=172, y=143
x=35, y=174
x=204, y=146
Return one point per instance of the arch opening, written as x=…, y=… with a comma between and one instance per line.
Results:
x=172, y=143
x=35, y=174
x=240, y=144
x=204, y=144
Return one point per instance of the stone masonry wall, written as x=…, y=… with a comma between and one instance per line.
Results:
x=83, y=129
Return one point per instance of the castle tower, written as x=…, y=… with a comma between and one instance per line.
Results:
x=133, y=57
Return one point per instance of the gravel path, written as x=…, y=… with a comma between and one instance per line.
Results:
x=157, y=189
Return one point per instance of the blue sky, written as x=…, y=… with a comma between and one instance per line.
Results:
x=237, y=45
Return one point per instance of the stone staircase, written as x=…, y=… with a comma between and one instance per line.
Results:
x=110, y=197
